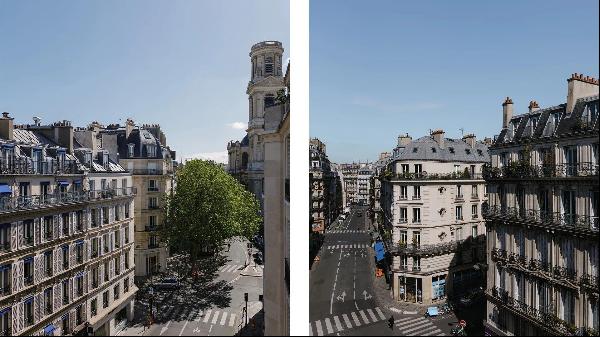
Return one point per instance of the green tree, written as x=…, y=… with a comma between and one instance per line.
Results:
x=208, y=207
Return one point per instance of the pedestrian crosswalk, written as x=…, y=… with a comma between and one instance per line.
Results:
x=349, y=246
x=347, y=231
x=231, y=268
x=339, y=323
x=209, y=316
x=417, y=326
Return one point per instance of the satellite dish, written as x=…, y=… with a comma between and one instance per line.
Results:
x=37, y=120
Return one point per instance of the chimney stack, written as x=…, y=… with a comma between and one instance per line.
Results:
x=507, y=112
x=6, y=126
x=63, y=135
x=470, y=139
x=129, y=125
x=438, y=136
x=578, y=87
x=533, y=106
x=404, y=139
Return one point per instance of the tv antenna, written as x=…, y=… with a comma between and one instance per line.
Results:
x=462, y=132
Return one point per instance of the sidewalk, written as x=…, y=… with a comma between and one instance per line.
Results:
x=253, y=271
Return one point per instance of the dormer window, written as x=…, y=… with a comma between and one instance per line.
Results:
x=556, y=119
x=451, y=149
x=468, y=151
x=105, y=159
x=415, y=150
x=87, y=158
x=130, y=147
x=533, y=123
x=269, y=101
x=433, y=149
x=151, y=151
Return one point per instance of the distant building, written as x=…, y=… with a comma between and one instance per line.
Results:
x=356, y=182
x=431, y=198
x=379, y=167
x=324, y=207
x=542, y=219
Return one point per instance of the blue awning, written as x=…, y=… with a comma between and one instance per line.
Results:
x=4, y=188
x=5, y=267
x=379, y=251
x=4, y=311
x=63, y=183
x=79, y=242
x=48, y=252
x=28, y=259
x=8, y=146
x=28, y=300
x=49, y=329
x=77, y=182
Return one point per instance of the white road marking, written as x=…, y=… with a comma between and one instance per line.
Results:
x=347, y=321
x=380, y=313
x=404, y=319
x=232, y=319
x=199, y=316
x=184, y=326
x=338, y=324
x=431, y=333
x=355, y=318
x=215, y=317
x=319, y=328
x=328, y=325
x=421, y=328
x=223, y=318
x=207, y=316
x=372, y=315
x=165, y=328
x=364, y=317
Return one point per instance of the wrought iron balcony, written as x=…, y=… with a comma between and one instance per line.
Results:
x=564, y=273
x=15, y=203
x=591, y=282
x=152, y=172
x=434, y=249
x=109, y=193
x=543, y=218
x=544, y=317
x=26, y=166
x=523, y=170
x=433, y=176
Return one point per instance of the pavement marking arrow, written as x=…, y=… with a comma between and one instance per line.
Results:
x=342, y=296
x=366, y=295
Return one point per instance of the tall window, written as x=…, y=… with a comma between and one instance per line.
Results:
x=416, y=238
x=269, y=65
x=459, y=193
x=403, y=237
x=418, y=169
x=569, y=206
x=151, y=149
x=571, y=160
x=130, y=148
x=417, y=192
x=403, y=214
x=416, y=263
x=474, y=191
x=416, y=215
x=474, y=231
x=405, y=168
x=459, y=215
x=474, y=214
x=403, y=192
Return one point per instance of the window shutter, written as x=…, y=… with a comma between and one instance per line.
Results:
x=101, y=273
x=122, y=259
x=58, y=253
x=17, y=277
x=57, y=220
x=20, y=235
x=57, y=297
x=72, y=254
x=17, y=317
x=14, y=234
x=87, y=249
x=100, y=247
x=38, y=305
x=37, y=273
x=122, y=237
x=37, y=232
x=71, y=292
x=111, y=264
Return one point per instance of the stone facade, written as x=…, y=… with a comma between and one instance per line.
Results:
x=542, y=219
x=66, y=231
x=431, y=197
x=356, y=181
x=324, y=207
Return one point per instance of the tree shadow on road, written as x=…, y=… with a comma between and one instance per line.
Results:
x=199, y=290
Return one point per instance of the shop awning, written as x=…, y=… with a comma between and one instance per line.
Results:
x=4, y=188
x=63, y=183
x=49, y=329
x=379, y=250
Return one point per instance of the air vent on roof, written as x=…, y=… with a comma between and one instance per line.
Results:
x=468, y=151
x=433, y=149
x=415, y=150
x=451, y=149
x=480, y=152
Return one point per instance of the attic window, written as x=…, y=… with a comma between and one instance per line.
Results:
x=130, y=149
x=468, y=151
x=151, y=151
x=534, y=121
x=479, y=152
x=451, y=149
x=415, y=150
x=433, y=149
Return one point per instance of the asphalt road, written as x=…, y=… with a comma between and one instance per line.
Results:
x=341, y=298
x=221, y=315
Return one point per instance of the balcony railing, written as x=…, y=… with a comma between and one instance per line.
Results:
x=545, y=318
x=433, y=249
x=577, y=221
x=153, y=172
x=522, y=170
x=110, y=193
x=433, y=176
x=14, y=203
x=590, y=281
x=151, y=228
x=26, y=166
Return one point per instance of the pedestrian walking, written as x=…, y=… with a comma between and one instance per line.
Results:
x=391, y=322
x=228, y=246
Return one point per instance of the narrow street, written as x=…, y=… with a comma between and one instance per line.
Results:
x=222, y=311
x=343, y=299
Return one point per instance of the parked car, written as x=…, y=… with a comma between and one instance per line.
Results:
x=167, y=283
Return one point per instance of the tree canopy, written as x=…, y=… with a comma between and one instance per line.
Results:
x=208, y=206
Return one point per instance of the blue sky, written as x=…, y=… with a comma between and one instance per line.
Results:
x=379, y=69
x=181, y=64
